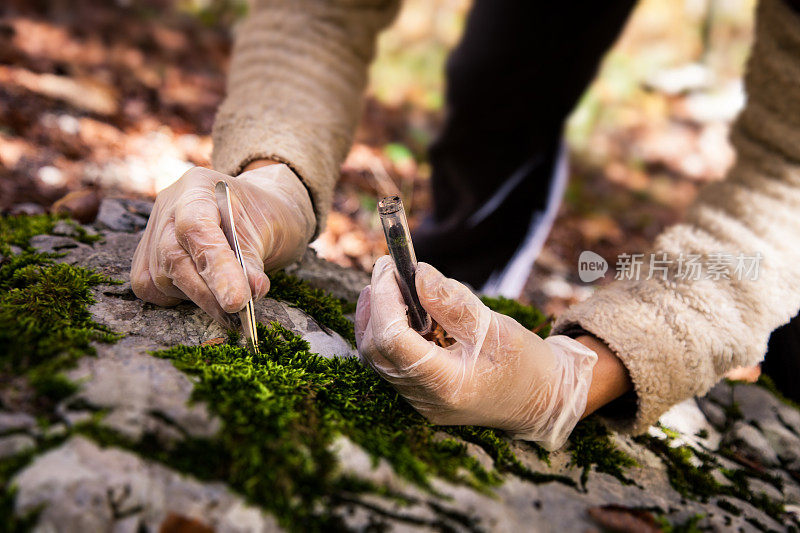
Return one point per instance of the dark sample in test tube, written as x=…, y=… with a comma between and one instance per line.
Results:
x=398, y=238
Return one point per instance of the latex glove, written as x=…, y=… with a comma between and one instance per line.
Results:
x=498, y=374
x=183, y=254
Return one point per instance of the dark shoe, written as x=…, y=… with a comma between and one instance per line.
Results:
x=492, y=245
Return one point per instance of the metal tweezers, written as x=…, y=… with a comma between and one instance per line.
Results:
x=246, y=315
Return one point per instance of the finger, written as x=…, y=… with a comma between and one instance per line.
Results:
x=141, y=281
x=197, y=228
x=189, y=282
x=176, y=272
x=166, y=262
x=454, y=306
x=258, y=280
x=393, y=335
x=362, y=315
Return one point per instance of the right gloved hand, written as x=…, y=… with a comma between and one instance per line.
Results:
x=497, y=374
x=183, y=254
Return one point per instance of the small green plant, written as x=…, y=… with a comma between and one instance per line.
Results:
x=44, y=314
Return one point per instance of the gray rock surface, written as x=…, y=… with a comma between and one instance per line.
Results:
x=118, y=214
x=339, y=281
x=14, y=422
x=785, y=443
x=754, y=444
x=80, y=486
x=15, y=444
x=159, y=327
x=142, y=394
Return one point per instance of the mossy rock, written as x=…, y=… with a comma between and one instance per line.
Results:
x=316, y=442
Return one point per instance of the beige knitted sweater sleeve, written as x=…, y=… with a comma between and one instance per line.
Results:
x=298, y=71
x=677, y=338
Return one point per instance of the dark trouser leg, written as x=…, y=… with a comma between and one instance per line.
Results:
x=517, y=73
x=782, y=362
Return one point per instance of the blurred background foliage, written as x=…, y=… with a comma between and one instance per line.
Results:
x=118, y=97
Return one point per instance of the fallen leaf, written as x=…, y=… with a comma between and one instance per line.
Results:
x=216, y=341
x=175, y=523
x=623, y=519
x=81, y=205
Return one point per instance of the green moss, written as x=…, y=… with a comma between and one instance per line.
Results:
x=18, y=230
x=504, y=458
x=687, y=479
x=283, y=410
x=322, y=307
x=740, y=488
x=530, y=317
x=690, y=525
x=347, y=307
x=45, y=324
x=733, y=413
x=698, y=483
x=590, y=445
x=727, y=450
x=669, y=432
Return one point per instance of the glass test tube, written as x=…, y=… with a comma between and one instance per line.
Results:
x=398, y=238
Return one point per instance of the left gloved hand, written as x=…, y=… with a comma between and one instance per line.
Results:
x=498, y=374
x=184, y=255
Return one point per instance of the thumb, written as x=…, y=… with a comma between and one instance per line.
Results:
x=452, y=304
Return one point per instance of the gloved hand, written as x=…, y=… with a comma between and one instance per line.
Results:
x=183, y=254
x=498, y=374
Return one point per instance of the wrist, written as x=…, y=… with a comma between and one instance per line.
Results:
x=610, y=378
x=550, y=419
x=275, y=176
x=289, y=179
x=258, y=163
x=288, y=219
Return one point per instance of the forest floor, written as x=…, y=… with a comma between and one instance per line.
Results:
x=119, y=97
